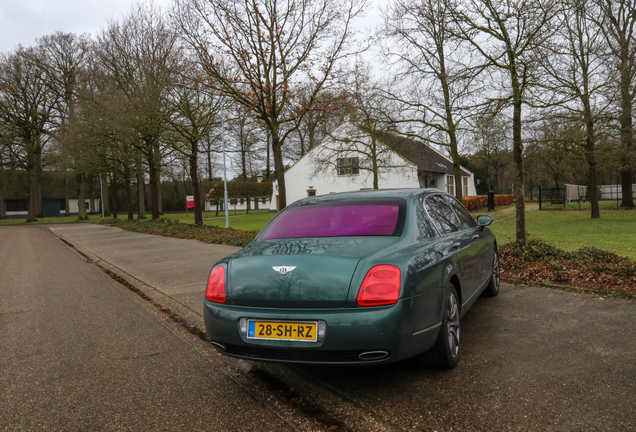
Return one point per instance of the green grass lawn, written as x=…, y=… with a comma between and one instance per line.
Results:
x=254, y=221
x=615, y=231
x=96, y=218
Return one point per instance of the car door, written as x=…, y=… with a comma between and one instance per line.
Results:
x=458, y=241
x=479, y=242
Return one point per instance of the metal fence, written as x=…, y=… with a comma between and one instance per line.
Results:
x=552, y=199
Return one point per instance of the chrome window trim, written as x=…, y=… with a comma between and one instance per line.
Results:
x=431, y=219
x=450, y=197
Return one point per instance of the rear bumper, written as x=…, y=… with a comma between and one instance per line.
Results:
x=350, y=332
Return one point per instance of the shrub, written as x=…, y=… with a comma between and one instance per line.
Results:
x=504, y=200
x=474, y=203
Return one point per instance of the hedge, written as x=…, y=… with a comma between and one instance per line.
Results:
x=474, y=203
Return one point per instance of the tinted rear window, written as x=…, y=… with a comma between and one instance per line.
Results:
x=339, y=219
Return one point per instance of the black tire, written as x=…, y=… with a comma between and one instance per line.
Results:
x=446, y=351
x=493, y=286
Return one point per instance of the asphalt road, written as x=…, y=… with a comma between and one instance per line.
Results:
x=533, y=358
x=79, y=353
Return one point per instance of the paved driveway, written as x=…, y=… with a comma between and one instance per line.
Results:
x=533, y=358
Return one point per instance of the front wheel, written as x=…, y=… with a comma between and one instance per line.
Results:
x=445, y=352
x=493, y=286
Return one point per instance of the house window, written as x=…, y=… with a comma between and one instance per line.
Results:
x=465, y=186
x=242, y=201
x=311, y=192
x=264, y=201
x=348, y=166
x=233, y=201
x=450, y=184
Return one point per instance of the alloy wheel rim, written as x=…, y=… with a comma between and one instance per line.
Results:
x=453, y=325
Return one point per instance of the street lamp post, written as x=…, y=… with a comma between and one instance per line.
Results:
x=101, y=190
x=225, y=200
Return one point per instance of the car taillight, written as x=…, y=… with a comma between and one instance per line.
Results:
x=381, y=286
x=215, y=291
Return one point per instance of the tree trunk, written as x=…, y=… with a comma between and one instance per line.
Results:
x=194, y=176
x=459, y=193
x=625, y=118
x=268, y=170
x=209, y=157
x=91, y=195
x=67, y=198
x=374, y=162
x=3, y=210
x=518, y=158
x=157, y=156
x=81, y=198
x=627, y=178
x=141, y=213
x=279, y=170
x=33, y=187
x=152, y=171
x=104, y=195
x=128, y=188
x=114, y=196
x=39, y=210
x=590, y=157
x=244, y=165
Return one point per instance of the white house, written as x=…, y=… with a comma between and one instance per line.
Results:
x=50, y=207
x=342, y=162
x=240, y=204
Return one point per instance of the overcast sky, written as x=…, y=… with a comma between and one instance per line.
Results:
x=22, y=21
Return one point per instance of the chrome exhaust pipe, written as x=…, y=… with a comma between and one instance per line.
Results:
x=373, y=355
x=218, y=346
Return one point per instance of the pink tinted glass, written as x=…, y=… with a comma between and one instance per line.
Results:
x=335, y=221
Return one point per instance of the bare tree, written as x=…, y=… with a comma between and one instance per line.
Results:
x=103, y=137
x=490, y=141
x=140, y=54
x=63, y=57
x=194, y=115
x=247, y=135
x=257, y=53
x=617, y=21
x=577, y=73
x=326, y=114
x=436, y=75
x=27, y=106
x=507, y=33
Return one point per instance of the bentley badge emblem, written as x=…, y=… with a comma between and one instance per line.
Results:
x=283, y=269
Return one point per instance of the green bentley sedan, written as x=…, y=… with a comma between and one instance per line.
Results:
x=355, y=278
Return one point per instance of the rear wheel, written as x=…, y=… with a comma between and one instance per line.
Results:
x=493, y=286
x=445, y=352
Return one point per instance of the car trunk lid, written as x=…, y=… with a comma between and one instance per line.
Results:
x=312, y=273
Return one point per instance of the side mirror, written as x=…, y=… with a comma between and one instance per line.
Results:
x=484, y=220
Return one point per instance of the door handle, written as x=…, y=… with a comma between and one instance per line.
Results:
x=456, y=245
x=476, y=236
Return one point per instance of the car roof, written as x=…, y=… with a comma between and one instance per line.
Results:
x=377, y=193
